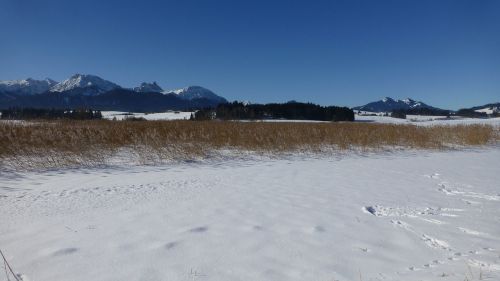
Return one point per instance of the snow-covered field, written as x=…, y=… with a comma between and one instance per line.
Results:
x=428, y=120
x=171, y=115
x=411, y=215
x=411, y=119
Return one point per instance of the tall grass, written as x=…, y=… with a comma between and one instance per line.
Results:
x=76, y=142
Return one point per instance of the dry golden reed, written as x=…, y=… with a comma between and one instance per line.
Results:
x=79, y=141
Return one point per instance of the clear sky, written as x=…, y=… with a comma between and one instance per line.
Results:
x=349, y=52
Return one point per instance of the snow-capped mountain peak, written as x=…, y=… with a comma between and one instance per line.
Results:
x=27, y=86
x=388, y=104
x=148, y=88
x=83, y=81
x=178, y=91
x=196, y=92
x=408, y=101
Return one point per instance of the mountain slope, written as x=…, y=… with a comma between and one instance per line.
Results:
x=491, y=108
x=26, y=86
x=92, y=91
x=148, y=88
x=92, y=84
x=388, y=104
x=197, y=92
x=118, y=99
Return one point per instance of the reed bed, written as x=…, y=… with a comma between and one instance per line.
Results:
x=62, y=143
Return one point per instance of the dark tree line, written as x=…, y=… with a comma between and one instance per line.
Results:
x=40, y=113
x=401, y=113
x=464, y=112
x=471, y=113
x=290, y=110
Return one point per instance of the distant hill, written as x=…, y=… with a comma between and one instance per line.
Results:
x=90, y=91
x=490, y=108
x=388, y=104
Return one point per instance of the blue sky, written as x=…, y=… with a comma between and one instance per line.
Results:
x=350, y=52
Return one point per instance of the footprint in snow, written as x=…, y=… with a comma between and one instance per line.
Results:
x=366, y=250
x=198, y=229
x=435, y=243
x=470, y=202
x=171, y=245
x=402, y=224
x=485, y=265
x=258, y=227
x=434, y=221
x=370, y=209
x=319, y=228
x=433, y=176
x=443, y=187
x=64, y=252
x=471, y=232
x=22, y=277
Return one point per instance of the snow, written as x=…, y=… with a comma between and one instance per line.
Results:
x=171, y=115
x=148, y=88
x=408, y=101
x=283, y=121
x=176, y=91
x=83, y=81
x=428, y=120
x=401, y=216
x=27, y=86
x=488, y=110
x=196, y=92
x=388, y=104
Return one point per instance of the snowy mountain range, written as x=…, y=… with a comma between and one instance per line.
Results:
x=85, y=90
x=388, y=104
x=90, y=90
x=27, y=86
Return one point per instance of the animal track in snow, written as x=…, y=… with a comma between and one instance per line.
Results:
x=258, y=228
x=64, y=252
x=319, y=228
x=382, y=211
x=443, y=187
x=432, y=264
x=471, y=232
x=199, y=229
x=366, y=250
x=171, y=245
x=433, y=176
x=434, y=221
x=435, y=243
x=484, y=265
x=470, y=202
x=428, y=240
x=403, y=225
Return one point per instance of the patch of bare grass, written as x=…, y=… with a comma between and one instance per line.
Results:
x=62, y=143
